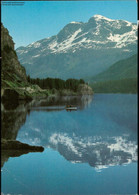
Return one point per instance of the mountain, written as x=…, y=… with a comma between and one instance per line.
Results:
x=121, y=77
x=128, y=85
x=13, y=75
x=122, y=69
x=10, y=63
x=80, y=49
x=78, y=144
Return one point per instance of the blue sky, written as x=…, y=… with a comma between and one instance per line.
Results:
x=36, y=20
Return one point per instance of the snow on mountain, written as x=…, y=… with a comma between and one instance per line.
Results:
x=80, y=149
x=98, y=34
x=99, y=17
x=66, y=44
x=73, y=22
x=78, y=38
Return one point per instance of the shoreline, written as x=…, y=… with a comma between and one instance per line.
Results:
x=15, y=145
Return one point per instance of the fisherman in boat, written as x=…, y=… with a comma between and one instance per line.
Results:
x=68, y=106
x=71, y=107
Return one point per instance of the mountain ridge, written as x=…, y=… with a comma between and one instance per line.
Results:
x=75, y=51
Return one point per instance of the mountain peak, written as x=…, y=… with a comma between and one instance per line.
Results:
x=73, y=22
x=99, y=17
x=77, y=47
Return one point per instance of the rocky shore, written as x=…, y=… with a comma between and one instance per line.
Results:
x=16, y=145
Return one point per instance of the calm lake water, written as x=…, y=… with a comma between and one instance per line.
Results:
x=89, y=151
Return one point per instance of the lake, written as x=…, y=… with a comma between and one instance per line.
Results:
x=89, y=151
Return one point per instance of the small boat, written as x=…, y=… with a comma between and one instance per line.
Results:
x=70, y=107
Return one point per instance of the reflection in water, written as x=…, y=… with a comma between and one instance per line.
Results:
x=9, y=153
x=100, y=133
x=14, y=115
x=12, y=120
x=59, y=103
x=96, y=151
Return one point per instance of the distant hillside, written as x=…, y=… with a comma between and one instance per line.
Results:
x=116, y=86
x=122, y=69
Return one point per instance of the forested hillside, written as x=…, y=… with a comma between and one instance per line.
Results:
x=116, y=86
x=122, y=69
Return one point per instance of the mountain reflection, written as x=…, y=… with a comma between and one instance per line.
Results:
x=96, y=151
x=96, y=134
x=14, y=114
x=99, y=152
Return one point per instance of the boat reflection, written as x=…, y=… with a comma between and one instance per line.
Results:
x=14, y=114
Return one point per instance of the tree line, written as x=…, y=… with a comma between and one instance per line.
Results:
x=116, y=86
x=56, y=83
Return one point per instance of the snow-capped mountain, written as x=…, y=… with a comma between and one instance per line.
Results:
x=80, y=49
